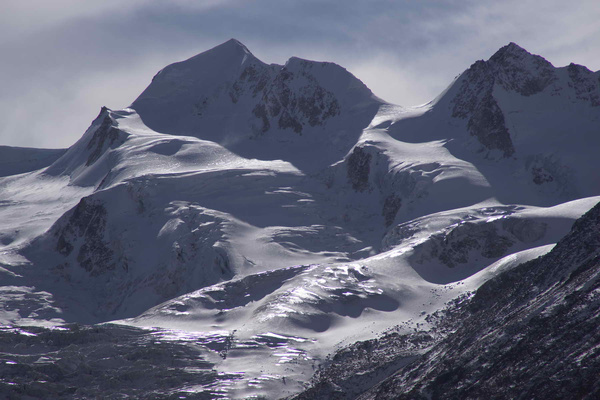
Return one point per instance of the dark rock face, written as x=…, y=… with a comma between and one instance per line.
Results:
x=531, y=333
x=455, y=247
x=551, y=175
x=522, y=72
x=110, y=361
x=358, y=169
x=485, y=119
x=88, y=223
x=513, y=69
x=391, y=205
x=260, y=111
x=541, y=176
x=360, y=365
x=479, y=79
x=524, y=230
x=490, y=240
x=285, y=98
x=106, y=136
x=295, y=99
x=488, y=126
x=252, y=79
x=585, y=83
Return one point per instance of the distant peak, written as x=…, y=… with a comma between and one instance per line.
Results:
x=512, y=52
x=234, y=43
x=512, y=47
x=230, y=50
x=232, y=46
x=104, y=110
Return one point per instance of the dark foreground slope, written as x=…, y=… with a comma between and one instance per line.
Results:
x=101, y=362
x=530, y=333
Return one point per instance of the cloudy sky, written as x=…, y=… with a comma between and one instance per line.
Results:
x=62, y=60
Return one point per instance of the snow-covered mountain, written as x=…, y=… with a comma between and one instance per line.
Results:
x=306, y=112
x=268, y=215
x=531, y=332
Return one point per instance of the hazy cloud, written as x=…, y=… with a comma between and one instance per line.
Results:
x=62, y=60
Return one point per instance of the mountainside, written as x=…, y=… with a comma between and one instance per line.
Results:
x=519, y=111
x=262, y=217
x=530, y=332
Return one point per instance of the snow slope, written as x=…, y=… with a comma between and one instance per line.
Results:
x=268, y=214
x=530, y=332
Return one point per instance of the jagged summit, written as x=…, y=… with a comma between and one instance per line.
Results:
x=513, y=51
x=520, y=71
x=512, y=47
x=517, y=109
x=472, y=97
x=90, y=159
x=228, y=96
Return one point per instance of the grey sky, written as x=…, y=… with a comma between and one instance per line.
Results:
x=63, y=60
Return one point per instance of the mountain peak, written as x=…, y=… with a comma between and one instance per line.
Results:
x=232, y=45
x=514, y=55
x=186, y=82
x=515, y=70
x=511, y=48
x=230, y=52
